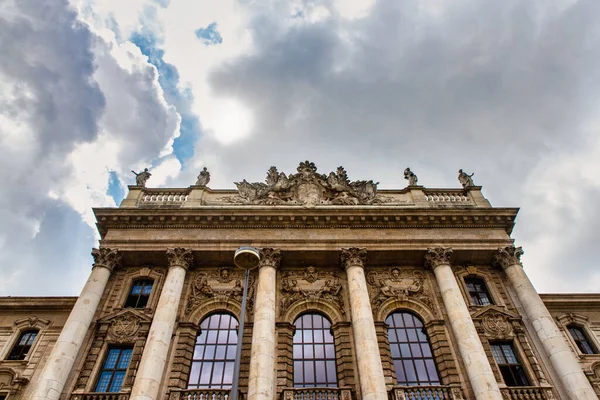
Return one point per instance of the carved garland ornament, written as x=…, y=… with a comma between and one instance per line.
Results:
x=398, y=284
x=108, y=258
x=508, y=256
x=311, y=285
x=307, y=187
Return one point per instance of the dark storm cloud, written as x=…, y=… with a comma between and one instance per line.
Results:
x=492, y=87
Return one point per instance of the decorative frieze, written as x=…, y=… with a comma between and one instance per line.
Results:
x=395, y=283
x=223, y=285
x=310, y=285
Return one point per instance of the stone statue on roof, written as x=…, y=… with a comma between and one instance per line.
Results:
x=203, y=178
x=465, y=180
x=142, y=177
x=410, y=177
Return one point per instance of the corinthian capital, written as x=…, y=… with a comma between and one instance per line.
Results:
x=353, y=257
x=107, y=258
x=507, y=256
x=180, y=257
x=438, y=256
x=270, y=257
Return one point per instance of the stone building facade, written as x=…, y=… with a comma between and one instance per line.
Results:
x=360, y=293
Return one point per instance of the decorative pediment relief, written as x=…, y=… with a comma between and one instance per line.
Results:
x=124, y=326
x=495, y=322
x=224, y=284
x=398, y=284
x=311, y=285
x=31, y=322
x=307, y=187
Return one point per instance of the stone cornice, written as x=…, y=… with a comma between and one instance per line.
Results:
x=293, y=217
x=37, y=303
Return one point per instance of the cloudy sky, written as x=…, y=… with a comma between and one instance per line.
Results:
x=91, y=89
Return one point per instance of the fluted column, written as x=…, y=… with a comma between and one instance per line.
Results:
x=370, y=371
x=154, y=357
x=556, y=347
x=476, y=362
x=261, y=380
x=59, y=364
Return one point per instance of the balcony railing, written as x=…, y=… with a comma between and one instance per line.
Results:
x=527, y=393
x=163, y=197
x=448, y=196
x=202, y=394
x=100, y=396
x=316, y=394
x=426, y=393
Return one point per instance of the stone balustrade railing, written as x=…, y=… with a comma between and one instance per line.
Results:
x=163, y=197
x=202, y=394
x=316, y=394
x=448, y=196
x=100, y=396
x=426, y=393
x=527, y=393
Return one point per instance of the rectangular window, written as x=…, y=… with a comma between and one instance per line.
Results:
x=139, y=294
x=3, y=396
x=581, y=340
x=478, y=291
x=510, y=367
x=23, y=345
x=113, y=371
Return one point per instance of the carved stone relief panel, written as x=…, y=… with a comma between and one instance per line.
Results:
x=401, y=284
x=124, y=329
x=310, y=284
x=224, y=284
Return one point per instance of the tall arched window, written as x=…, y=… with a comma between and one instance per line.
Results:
x=411, y=351
x=314, y=352
x=214, y=353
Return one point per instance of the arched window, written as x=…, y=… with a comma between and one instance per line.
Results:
x=23, y=345
x=214, y=353
x=314, y=352
x=478, y=291
x=581, y=339
x=411, y=351
x=139, y=293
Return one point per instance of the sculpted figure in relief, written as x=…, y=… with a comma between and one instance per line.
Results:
x=310, y=284
x=222, y=285
x=465, y=180
x=395, y=284
x=410, y=177
x=142, y=177
x=203, y=178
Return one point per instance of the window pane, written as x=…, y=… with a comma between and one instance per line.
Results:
x=212, y=366
x=111, y=359
x=117, y=381
x=114, y=369
x=103, y=381
x=509, y=365
x=411, y=351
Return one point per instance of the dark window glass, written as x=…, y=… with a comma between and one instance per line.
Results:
x=23, y=345
x=214, y=353
x=314, y=352
x=478, y=291
x=2, y=397
x=113, y=370
x=581, y=340
x=509, y=365
x=139, y=294
x=411, y=351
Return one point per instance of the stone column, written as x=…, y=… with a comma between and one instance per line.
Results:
x=261, y=381
x=59, y=364
x=556, y=347
x=370, y=371
x=476, y=362
x=152, y=365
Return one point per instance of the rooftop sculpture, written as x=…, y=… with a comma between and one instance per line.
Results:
x=142, y=177
x=307, y=187
x=465, y=179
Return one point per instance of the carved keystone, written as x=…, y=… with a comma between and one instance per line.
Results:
x=353, y=257
x=507, y=256
x=438, y=256
x=107, y=258
x=180, y=257
x=270, y=257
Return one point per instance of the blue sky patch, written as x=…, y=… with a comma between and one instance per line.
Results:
x=209, y=35
x=114, y=188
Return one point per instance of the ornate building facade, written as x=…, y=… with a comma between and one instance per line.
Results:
x=360, y=293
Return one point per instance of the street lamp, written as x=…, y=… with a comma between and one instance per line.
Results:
x=246, y=258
